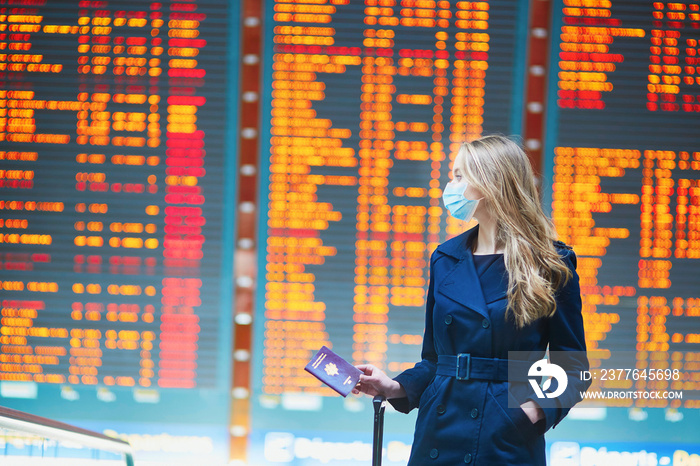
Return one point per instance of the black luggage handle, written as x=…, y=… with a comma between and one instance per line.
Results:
x=379, y=403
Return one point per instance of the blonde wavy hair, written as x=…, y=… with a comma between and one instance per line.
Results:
x=499, y=168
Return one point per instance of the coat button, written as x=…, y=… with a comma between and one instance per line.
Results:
x=441, y=409
x=468, y=458
x=475, y=413
x=448, y=319
x=434, y=453
x=485, y=323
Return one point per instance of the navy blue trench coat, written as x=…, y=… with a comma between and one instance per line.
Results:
x=469, y=421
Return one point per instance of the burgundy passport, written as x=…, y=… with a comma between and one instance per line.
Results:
x=334, y=371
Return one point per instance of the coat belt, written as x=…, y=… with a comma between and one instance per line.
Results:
x=464, y=366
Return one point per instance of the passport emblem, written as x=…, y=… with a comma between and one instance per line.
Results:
x=331, y=369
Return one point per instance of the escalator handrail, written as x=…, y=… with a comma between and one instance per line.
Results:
x=37, y=425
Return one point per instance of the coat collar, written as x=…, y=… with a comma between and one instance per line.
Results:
x=461, y=283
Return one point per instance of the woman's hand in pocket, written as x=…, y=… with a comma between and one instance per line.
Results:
x=533, y=411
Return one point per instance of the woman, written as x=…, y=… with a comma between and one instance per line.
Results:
x=504, y=285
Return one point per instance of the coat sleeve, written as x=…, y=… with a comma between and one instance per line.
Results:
x=567, y=348
x=416, y=380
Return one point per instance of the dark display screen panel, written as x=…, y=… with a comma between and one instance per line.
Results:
x=114, y=252
x=621, y=169
x=624, y=163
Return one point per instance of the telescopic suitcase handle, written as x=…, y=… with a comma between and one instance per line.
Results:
x=379, y=403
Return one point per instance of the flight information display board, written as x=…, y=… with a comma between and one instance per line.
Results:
x=112, y=194
x=622, y=171
x=368, y=103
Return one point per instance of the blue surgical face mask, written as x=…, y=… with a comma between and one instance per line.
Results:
x=459, y=206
